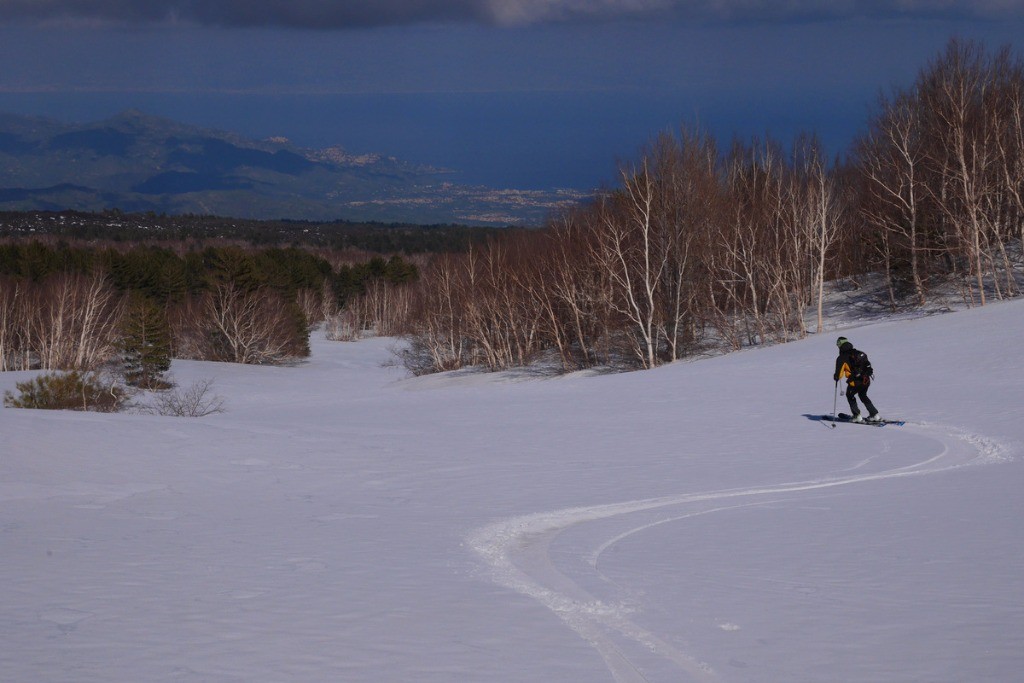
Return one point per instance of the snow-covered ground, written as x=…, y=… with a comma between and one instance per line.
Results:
x=343, y=522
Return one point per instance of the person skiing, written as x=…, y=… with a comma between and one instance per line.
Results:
x=856, y=368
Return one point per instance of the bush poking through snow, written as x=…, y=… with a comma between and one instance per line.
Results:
x=67, y=391
x=196, y=401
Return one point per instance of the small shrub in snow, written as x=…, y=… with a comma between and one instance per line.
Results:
x=196, y=401
x=67, y=391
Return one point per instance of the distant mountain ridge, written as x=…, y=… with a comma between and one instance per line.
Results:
x=138, y=162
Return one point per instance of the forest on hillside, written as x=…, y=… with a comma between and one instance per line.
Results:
x=129, y=228
x=701, y=245
x=65, y=307
x=697, y=245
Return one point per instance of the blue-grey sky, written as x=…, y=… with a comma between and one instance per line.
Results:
x=523, y=93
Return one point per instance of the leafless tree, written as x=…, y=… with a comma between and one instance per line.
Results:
x=74, y=321
x=437, y=340
x=248, y=326
x=891, y=159
x=383, y=307
x=628, y=246
x=310, y=302
x=343, y=325
x=821, y=213
x=757, y=254
x=687, y=211
x=15, y=352
x=955, y=91
x=572, y=291
x=942, y=173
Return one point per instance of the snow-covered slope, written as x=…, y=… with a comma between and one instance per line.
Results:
x=342, y=522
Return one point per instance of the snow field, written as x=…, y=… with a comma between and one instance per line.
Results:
x=344, y=522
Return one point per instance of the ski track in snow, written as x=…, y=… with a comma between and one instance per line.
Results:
x=516, y=551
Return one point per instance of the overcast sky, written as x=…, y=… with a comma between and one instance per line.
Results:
x=342, y=14
x=529, y=93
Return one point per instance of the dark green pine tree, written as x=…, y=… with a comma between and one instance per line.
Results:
x=145, y=343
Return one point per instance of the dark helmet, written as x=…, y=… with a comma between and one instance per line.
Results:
x=841, y=341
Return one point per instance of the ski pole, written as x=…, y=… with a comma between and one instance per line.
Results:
x=835, y=401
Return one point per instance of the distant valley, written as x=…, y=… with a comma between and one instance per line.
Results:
x=136, y=162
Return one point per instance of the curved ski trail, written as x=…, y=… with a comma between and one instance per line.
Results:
x=516, y=551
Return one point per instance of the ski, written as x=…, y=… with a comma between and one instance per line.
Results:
x=843, y=417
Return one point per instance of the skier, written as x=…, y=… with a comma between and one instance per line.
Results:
x=856, y=368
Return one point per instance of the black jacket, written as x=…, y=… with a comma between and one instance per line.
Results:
x=845, y=366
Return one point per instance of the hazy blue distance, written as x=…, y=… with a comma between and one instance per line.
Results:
x=538, y=106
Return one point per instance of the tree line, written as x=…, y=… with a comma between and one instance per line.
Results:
x=77, y=307
x=133, y=228
x=699, y=245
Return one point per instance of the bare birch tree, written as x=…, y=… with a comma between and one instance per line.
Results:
x=963, y=151
x=247, y=326
x=74, y=321
x=629, y=249
x=891, y=159
x=15, y=353
x=821, y=215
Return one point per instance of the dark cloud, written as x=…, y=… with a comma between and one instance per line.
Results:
x=333, y=14
x=325, y=14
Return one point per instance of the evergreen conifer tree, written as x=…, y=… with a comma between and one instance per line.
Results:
x=145, y=343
